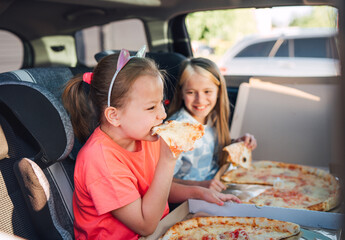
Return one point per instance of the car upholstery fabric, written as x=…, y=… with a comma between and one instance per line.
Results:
x=46, y=206
x=51, y=78
x=3, y=145
x=44, y=173
x=42, y=114
x=14, y=214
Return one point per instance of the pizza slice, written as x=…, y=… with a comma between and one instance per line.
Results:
x=180, y=136
x=239, y=154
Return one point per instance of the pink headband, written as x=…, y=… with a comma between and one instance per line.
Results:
x=87, y=77
x=123, y=59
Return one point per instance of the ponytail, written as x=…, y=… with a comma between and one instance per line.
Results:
x=76, y=101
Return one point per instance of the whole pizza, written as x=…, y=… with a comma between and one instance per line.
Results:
x=216, y=227
x=292, y=185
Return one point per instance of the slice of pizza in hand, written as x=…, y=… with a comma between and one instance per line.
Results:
x=239, y=154
x=180, y=136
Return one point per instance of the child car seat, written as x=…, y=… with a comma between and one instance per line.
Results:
x=36, y=138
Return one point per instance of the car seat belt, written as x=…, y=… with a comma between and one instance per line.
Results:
x=64, y=186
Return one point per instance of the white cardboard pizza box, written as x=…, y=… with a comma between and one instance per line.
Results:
x=317, y=219
x=305, y=218
x=177, y=215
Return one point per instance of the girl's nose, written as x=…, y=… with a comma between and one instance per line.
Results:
x=162, y=114
x=199, y=97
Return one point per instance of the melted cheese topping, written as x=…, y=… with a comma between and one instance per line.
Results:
x=180, y=136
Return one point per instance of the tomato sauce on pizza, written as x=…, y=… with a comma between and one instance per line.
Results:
x=231, y=228
x=180, y=136
x=293, y=185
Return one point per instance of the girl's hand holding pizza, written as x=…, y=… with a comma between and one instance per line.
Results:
x=166, y=152
x=249, y=140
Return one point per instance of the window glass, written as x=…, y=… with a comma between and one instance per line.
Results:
x=129, y=34
x=257, y=50
x=227, y=36
x=315, y=48
x=283, y=50
x=11, y=52
x=311, y=47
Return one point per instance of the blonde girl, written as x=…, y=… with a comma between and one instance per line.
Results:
x=123, y=174
x=201, y=96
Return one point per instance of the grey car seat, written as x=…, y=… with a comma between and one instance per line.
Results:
x=51, y=78
x=36, y=181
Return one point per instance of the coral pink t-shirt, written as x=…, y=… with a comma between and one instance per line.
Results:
x=108, y=177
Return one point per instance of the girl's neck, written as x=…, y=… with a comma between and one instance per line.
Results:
x=130, y=145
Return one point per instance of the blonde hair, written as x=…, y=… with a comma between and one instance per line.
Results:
x=220, y=115
x=86, y=107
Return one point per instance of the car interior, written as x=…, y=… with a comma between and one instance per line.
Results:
x=37, y=145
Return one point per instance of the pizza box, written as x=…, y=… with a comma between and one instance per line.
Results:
x=314, y=224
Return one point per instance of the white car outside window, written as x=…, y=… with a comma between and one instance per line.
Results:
x=288, y=54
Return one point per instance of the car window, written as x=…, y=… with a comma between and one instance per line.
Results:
x=283, y=50
x=129, y=34
x=257, y=50
x=11, y=51
x=233, y=37
x=313, y=47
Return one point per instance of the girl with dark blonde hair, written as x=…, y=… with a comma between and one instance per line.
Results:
x=201, y=96
x=123, y=174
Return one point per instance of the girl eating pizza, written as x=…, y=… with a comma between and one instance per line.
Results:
x=201, y=96
x=123, y=174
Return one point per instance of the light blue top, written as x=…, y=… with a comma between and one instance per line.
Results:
x=201, y=163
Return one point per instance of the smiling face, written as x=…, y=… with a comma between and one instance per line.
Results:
x=199, y=94
x=143, y=110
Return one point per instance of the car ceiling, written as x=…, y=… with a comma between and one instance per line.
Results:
x=67, y=16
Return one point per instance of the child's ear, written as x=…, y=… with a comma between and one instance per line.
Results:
x=112, y=116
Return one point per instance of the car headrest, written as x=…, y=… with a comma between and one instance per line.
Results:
x=42, y=115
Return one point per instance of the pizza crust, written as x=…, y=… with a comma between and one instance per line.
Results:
x=180, y=136
x=293, y=185
x=216, y=226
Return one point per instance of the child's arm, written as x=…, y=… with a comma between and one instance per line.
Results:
x=181, y=192
x=211, y=184
x=144, y=214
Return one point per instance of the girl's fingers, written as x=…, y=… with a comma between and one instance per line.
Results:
x=228, y=197
x=217, y=185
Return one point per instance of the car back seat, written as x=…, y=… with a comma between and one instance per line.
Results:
x=27, y=153
x=36, y=182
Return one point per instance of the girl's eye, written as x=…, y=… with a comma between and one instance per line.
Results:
x=189, y=93
x=151, y=108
